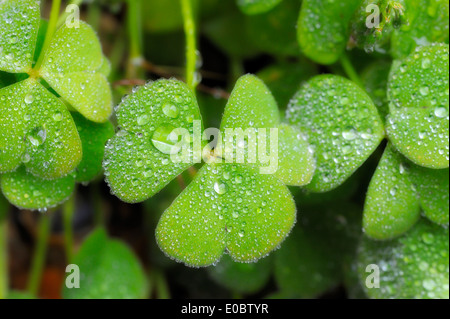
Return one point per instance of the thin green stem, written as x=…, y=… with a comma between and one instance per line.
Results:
x=3, y=254
x=350, y=70
x=191, y=45
x=134, y=23
x=64, y=16
x=40, y=253
x=68, y=211
x=54, y=15
x=134, y=26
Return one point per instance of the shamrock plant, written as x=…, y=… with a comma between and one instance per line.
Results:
x=55, y=110
x=228, y=206
x=341, y=123
x=345, y=132
x=412, y=177
x=330, y=163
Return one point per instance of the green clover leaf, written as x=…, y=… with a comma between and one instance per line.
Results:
x=427, y=23
x=103, y=263
x=433, y=192
x=392, y=206
x=36, y=129
x=342, y=124
x=397, y=193
x=18, y=34
x=414, y=266
x=256, y=213
x=418, y=124
x=252, y=105
x=252, y=7
x=71, y=67
x=27, y=191
x=323, y=28
x=138, y=159
x=228, y=207
x=252, y=98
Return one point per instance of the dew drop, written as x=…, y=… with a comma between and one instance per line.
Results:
x=29, y=98
x=220, y=188
x=346, y=150
x=57, y=116
x=13, y=39
x=402, y=169
x=393, y=191
x=349, y=135
x=147, y=173
x=139, y=163
x=440, y=112
x=171, y=110
x=143, y=119
x=426, y=63
x=422, y=135
x=165, y=141
x=26, y=158
x=37, y=136
x=425, y=90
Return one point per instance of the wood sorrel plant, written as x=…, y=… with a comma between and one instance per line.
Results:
x=228, y=206
x=44, y=148
x=358, y=127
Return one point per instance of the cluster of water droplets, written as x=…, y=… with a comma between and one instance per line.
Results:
x=419, y=96
x=321, y=35
x=392, y=205
x=29, y=192
x=38, y=131
x=18, y=31
x=413, y=266
x=138, y=159
x=342, y=124
x=227, y=208
x=427, y=23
